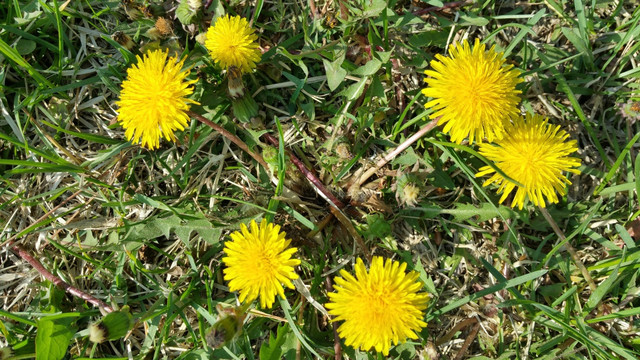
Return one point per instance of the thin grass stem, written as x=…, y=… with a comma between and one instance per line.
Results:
x=570, y=249
x=400, y=148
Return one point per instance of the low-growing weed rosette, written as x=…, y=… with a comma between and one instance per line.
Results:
x=535, y=154
x=379, y=308
x=473, y=92
x=258, y=262
x=232, y=42
x=154, y=99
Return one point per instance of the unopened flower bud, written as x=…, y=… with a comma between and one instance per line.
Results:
x=113, y=326
x=228, y=326
x=244, y=108
x=408, y=188
x=98, y=333
x=189, y=11
x=5, y=353
x=235, y=84
x=123, y=39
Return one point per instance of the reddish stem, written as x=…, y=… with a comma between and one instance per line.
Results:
x=439, y=8
x=234, y=139
x=24, y=254
x=314, y=10
x=309, y=175
x=467, y=342
x=335, y=204
x=336, y=338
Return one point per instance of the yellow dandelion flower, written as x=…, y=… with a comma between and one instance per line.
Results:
x=153, y=100
x=472, y=92
x=232, y=42
x=535, y=154
x=380, y=307
x=258, y=262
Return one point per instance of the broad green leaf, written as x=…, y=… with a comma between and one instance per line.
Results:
x=188, y=15
x=464, y=212
x=373, y=8
x=182, y=228
x=53, y=337
x=409, y=157
x=25, y=47
x=470, y=19
x=335, y=72
x=371, y=67
x=199, y=354
x=354, y=91
x=379, y=228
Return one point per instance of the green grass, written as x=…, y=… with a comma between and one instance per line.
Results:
x=145, y=229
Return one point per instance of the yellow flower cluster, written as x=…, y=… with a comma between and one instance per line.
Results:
x=381, y=307
x=154, y=97
x=473, y=93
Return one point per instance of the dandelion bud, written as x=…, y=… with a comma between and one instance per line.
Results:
x=228, y=326
x=188, y=12
x=630, y=111
x=244, y=108
x=113, y=326
x=195, y=5
x=235, y=84
x=408, y=188
x=5, y=353
x=123, y=39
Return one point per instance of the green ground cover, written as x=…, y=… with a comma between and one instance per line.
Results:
x=333, y=143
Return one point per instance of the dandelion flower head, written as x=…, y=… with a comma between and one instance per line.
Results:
x=473, y=93
x=153, y=99
x=232, y=42
x=258, y=262
x=381, y=307
x=535, y=154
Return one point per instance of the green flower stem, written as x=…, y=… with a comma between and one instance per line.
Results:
x=570, y=249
